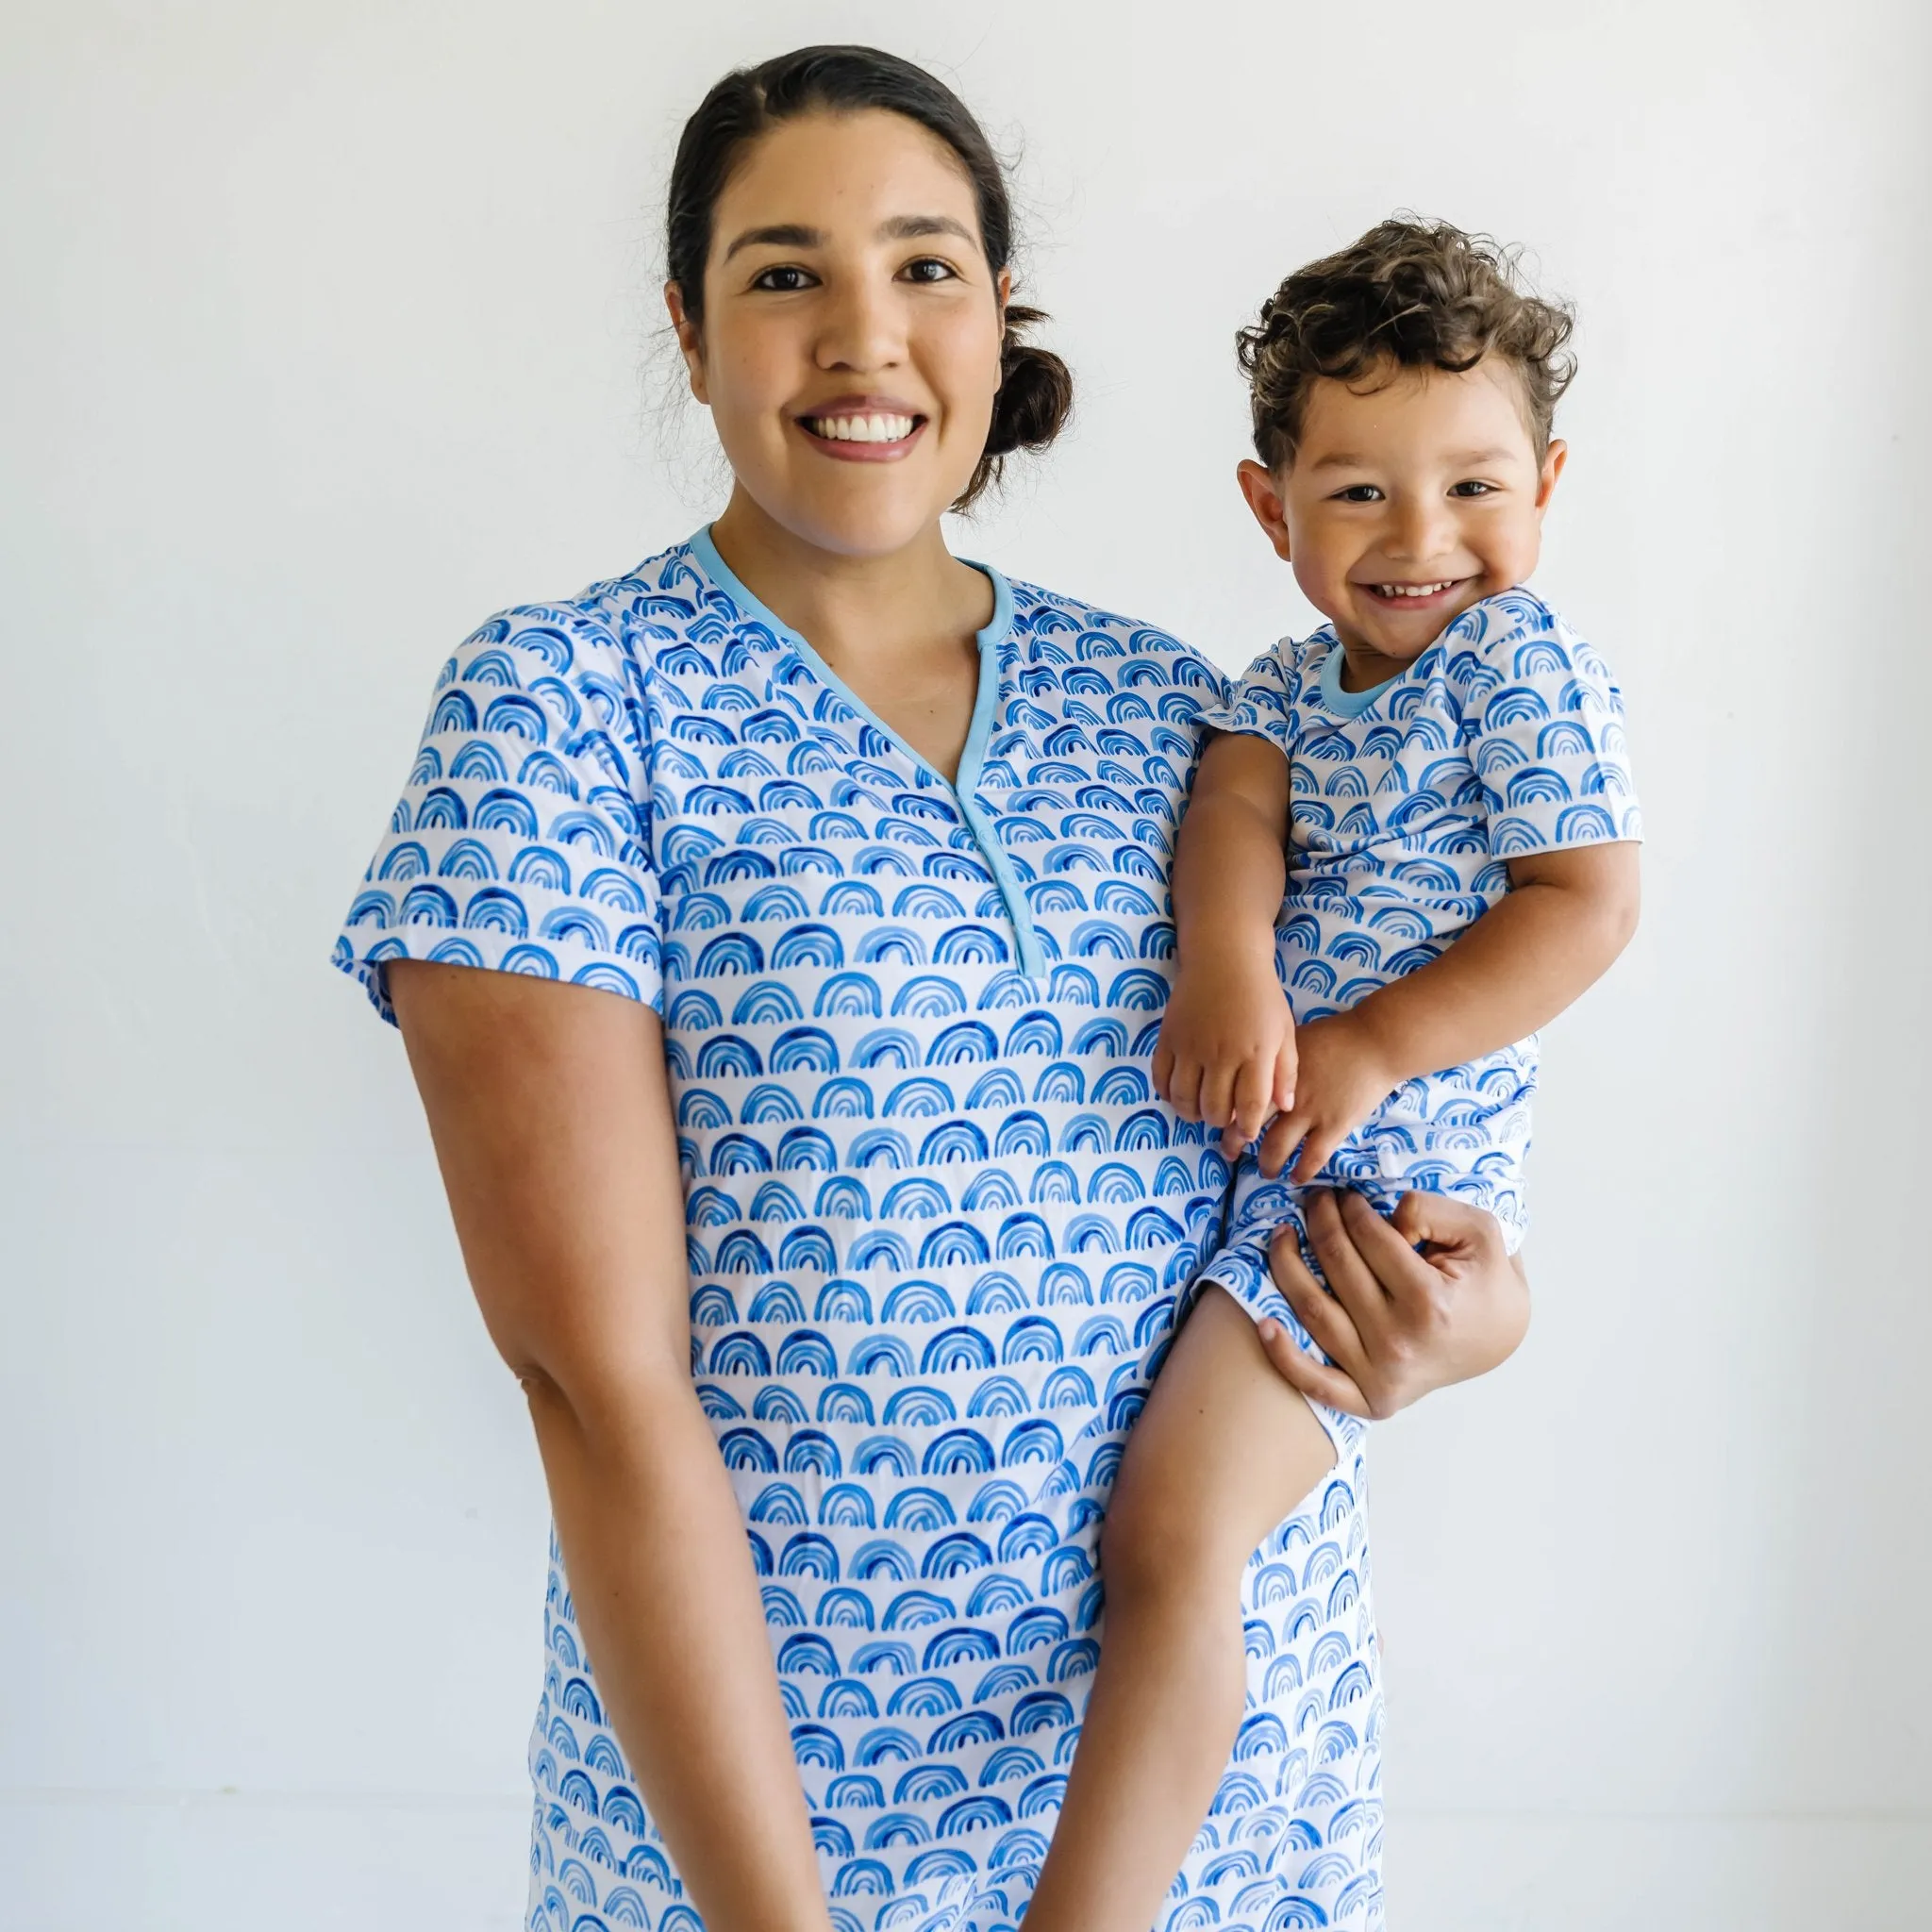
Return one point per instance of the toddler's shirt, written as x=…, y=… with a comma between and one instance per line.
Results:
x=1504, y=739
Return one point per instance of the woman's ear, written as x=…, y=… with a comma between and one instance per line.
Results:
x=1554, y=459
x=1263, y=496
x=690, y=343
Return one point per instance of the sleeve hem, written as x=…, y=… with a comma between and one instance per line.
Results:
x=362, y=953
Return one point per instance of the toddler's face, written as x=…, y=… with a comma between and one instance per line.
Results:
x=1407, y=503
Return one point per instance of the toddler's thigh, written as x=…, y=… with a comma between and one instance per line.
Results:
x=1225, y=1448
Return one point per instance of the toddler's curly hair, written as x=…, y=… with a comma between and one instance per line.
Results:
x=1412, y=293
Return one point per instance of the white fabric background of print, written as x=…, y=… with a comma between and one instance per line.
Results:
x=323, y=341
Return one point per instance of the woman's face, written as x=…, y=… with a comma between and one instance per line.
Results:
x=850, y=347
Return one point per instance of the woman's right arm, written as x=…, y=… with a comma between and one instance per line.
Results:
x=551, y=1113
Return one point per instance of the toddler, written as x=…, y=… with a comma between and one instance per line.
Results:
x=1410, y=843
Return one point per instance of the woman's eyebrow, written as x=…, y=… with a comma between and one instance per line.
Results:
x=782, y=235
x=900, y=228
x=909, y=228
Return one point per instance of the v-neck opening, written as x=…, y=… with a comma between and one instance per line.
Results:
x=986, y=692
x=962, y=789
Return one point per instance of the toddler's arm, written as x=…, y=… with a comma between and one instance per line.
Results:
x=1566, y=917
x=1227, y=1052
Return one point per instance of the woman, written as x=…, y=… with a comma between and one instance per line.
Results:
x=825, y=879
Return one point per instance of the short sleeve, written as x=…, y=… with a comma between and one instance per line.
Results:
x=1545, y=723
x=522, y=842
x=1261, y=703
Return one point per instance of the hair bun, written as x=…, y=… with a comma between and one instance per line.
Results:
x=1036, y=393
x=1035, y=399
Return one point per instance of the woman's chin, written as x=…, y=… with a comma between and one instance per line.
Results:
x=864, y=520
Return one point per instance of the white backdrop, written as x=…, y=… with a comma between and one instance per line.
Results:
x=328, y=328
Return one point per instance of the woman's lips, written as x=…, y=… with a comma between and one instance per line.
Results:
x=867, y=433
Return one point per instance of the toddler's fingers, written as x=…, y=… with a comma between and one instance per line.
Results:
x=1252, y=1091
x=1217, y=1093
x=1287, y=1065
x=1278, y=1142
x=1161, y=1072
x=1184, y=1088
x=1320, y=1142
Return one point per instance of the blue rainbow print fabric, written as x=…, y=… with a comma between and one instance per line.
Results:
x=1504, y=738
x=939, y=1225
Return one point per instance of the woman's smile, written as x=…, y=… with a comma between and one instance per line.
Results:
x=862, y=428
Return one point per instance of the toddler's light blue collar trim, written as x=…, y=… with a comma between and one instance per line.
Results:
x=1348, y=703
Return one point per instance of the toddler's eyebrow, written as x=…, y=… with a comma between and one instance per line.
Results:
x=1458, y=460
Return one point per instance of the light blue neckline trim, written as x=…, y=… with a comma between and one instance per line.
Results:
x=963, y=791
x=1349, y=704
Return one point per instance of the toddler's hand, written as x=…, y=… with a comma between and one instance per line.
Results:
x=1342, y=1081
x=1227, y=1052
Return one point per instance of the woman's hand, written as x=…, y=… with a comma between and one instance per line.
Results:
x=1419, y=1300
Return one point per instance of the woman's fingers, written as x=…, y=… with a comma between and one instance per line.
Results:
x=1441, y=1221
x=1337, y=1243
x=1412, y=1287
x=1324, y=1318
x=1300, y=1370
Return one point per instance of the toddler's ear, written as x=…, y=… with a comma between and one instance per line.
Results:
x=1263, y=496
x=1559, y=453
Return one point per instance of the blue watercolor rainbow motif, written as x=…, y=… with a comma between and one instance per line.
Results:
x=939, y=1225
x=1504, y=739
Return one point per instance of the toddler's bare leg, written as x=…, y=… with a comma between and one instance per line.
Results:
x=1224, y=1450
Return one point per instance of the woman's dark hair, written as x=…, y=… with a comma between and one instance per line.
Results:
x=1036, y=393
x=1410, y=295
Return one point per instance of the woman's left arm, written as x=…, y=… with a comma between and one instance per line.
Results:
x=1424, y=1298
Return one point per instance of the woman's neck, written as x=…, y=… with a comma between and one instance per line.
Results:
x=853, y=609
x=900, y=630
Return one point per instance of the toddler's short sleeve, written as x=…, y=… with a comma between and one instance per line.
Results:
x=1544, y=725
x=1261, y=703
x=523, y=840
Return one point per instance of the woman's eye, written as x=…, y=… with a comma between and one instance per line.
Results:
x=1471, y=487
x=929, y=268
x=1359, y=492
x=785, y=281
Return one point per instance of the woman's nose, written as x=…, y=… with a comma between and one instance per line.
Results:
x=864, y=326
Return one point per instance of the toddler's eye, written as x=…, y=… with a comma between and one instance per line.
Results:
x=783, y=280
x=929, y=268
x=1359, y=492
x=1471, y=487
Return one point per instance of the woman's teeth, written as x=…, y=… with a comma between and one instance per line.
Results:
x=1414, y=589
x=862, y=428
